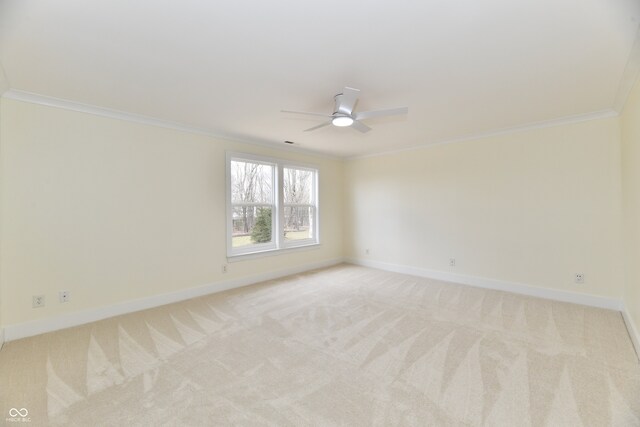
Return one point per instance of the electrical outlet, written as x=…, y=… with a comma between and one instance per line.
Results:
x=366, y=251
x=452, y=262
x=38, y=301
x=579, y=278
x=65, y=296
x=224, y=268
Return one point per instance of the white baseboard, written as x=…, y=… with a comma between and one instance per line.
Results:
x=634, y=333
x=41, y=326
x=500, y=285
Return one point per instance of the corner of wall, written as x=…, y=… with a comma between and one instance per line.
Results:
x=634, y=333
x=629, y=76
x=630, y=157
x=4, y=83
x=4, y=86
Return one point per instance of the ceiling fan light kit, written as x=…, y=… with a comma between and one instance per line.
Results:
x=342, y=121
x=344, y=116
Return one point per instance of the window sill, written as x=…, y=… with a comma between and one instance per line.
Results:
x=272, y=252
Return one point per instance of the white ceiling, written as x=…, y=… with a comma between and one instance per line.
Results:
x=463, y=68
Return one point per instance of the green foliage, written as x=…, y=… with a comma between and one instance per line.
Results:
x=261, y=232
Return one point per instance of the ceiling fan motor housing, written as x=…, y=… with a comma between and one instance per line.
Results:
x=340, y=109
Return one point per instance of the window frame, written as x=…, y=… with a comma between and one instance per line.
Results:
x=314, y=206
x=278, y=243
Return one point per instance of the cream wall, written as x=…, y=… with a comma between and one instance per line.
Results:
x=630, y=122
x=4, y=86
x=532, y=207
x=114, y=210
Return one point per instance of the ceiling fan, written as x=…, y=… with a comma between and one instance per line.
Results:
x=343, y=114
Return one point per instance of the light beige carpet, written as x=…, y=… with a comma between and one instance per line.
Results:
x=341, y=346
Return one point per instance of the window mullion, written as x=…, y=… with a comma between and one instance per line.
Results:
x=300, y=205
x=258, y=204
x=314, y=199
x=280, y=206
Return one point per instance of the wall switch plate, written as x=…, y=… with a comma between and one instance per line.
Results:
x=38, y=301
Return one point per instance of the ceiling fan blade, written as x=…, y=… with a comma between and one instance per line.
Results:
x=318, y=127
x=308, y=114
x=347, y=100
x=380, y=113
x=360, y=126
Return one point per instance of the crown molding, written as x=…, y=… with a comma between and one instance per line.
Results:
x=505, y=131
x=48, y=101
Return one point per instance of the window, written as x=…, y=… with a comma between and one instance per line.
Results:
x=299, y=204
x=271, y=204
x=252, y=205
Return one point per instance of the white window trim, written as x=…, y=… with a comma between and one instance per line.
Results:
x=279, y=243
